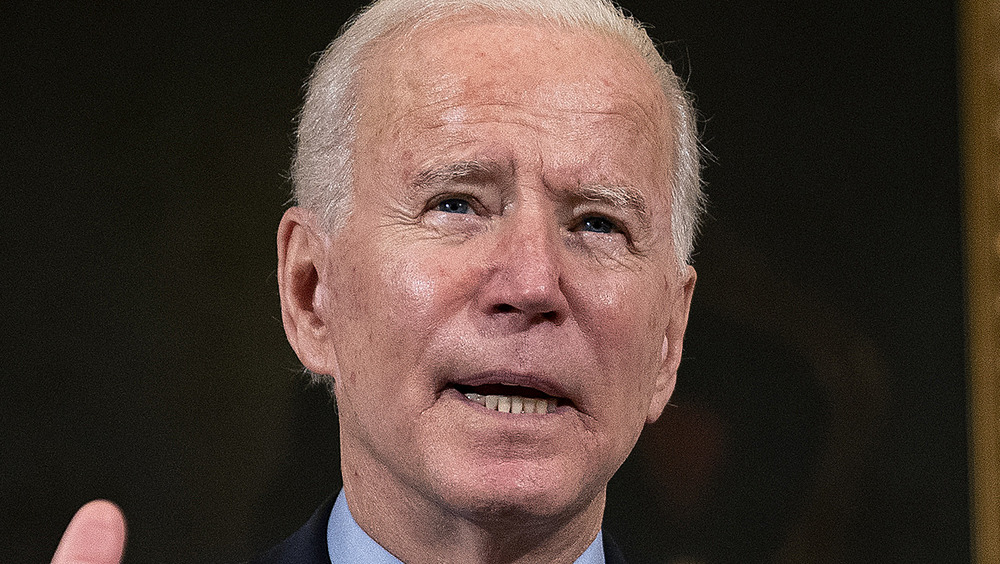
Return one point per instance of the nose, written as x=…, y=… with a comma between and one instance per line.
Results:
x=524, y=285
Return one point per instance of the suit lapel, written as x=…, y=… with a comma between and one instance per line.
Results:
x=305, y=546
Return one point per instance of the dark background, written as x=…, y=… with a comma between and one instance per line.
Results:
x=820, y=413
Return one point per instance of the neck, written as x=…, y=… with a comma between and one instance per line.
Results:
x=419, y=528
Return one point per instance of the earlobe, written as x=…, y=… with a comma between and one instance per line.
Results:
x=673, y=342
x=302, y=255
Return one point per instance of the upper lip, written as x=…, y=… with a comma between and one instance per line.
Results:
x=542, y=383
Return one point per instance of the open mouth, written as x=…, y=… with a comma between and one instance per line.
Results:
x=510, y=399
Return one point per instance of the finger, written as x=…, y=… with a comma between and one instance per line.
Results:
x=96, y=535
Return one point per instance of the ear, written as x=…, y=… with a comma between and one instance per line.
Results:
x=673, y=342
x=303, y=251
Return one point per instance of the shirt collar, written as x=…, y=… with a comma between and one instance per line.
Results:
x=348, y=543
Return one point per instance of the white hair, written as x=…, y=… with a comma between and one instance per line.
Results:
x=322, y=169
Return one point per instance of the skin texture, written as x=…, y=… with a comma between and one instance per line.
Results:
x=511, y=225
x=95, y=535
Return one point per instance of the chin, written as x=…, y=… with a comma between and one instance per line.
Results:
x=521, y=492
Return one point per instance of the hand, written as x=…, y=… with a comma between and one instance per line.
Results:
x=96, y=535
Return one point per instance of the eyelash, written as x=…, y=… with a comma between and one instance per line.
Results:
x=611, y=225
x=452, y=201
x=472, y=204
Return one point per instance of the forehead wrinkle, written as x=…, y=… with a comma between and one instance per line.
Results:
x=429, y=98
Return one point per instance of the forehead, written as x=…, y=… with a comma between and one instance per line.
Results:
x=578, y=107
x=458, y=62
x=488, y=51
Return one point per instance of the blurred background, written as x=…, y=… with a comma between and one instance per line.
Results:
x=820, y=414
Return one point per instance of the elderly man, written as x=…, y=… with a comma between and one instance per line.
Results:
x=488, y=260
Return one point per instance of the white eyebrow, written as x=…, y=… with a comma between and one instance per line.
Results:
x=457, y=171
x=617, y=196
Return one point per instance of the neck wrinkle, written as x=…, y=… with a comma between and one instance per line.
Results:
x=421, y=531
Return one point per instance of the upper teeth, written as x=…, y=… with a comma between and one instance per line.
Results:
x=514, y=404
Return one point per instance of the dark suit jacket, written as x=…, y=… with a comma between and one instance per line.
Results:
x=308, y=544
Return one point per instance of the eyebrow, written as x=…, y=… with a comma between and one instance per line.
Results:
x=458, y=171
x=617, y=196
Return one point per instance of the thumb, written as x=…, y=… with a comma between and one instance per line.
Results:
x=96, y=535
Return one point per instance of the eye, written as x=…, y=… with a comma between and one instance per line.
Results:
x=598, y=224
x=454, y=205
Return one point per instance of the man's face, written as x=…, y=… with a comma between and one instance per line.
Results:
x=510, y=237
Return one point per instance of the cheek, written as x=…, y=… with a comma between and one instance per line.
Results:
x=414, y=293
x=412, y=288
x=625, y=325
x=624, y=318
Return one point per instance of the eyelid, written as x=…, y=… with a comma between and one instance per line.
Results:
x=474, y=204
x=620, y=220
x=615, y=227
x=622, y=225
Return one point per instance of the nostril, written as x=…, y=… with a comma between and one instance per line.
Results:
x=504, y=308
x=551, y=316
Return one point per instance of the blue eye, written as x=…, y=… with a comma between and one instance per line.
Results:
x=598, y=224
x=454, y=205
